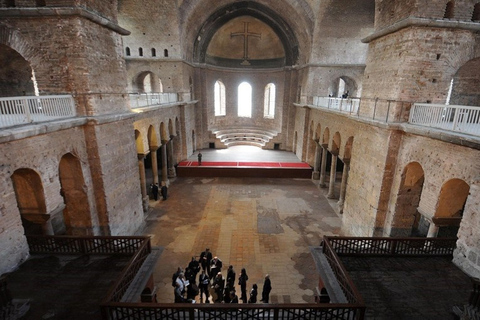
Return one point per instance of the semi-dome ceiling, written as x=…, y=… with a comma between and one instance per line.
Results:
x=245, y=41
x=246, y=34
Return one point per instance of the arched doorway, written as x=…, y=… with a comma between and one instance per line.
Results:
x=407, y=221
x=76, y=214
x=16, y=75
x=451, y=204
x=31, y=202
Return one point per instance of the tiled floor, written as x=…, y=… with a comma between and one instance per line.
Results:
x=263, y=225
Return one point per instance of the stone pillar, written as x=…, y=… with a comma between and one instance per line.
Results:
x=163, y=151
x=343, y=187
x=153, y=156
x=318, y=159
x=323, y=166
x=170, y=162
x=333, y=175
x=143, y=181
x=432, y=230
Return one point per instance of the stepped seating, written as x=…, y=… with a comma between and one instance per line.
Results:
x=244, y=136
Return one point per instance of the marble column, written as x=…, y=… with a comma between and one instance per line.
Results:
x=343, y=187
x=323, y=166
x=170, y=162
x=318, y=160
x=333, y=175
x=153, y=156
x=143, y=181
x=163, y=151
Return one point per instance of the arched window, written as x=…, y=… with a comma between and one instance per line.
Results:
x=165, y=53
x=154, y=52
x=140, y=52
x=269, y=101
x=219, y=99
x=476, y=12
x=341, y=87
x=245, y=100
x=449, y=10
x=127, y=51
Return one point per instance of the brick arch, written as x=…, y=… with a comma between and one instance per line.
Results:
x=163, y=132
x=452, y=198
x=155, y=82
x=311, y=144
x=326, y=136
x=406, y=218
x=14, y=39
x=30, y=196
x=347, y=152
x=336, y=143
x=152, y=137
x=76, y=213
x=318, y=132
x=171, y=130
x=465, y=84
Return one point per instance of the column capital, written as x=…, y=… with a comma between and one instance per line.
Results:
x=141, y=156
x=153, y=148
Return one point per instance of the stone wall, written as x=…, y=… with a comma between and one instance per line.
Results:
x=160, y=31
x=91, y=67
x=41, y=153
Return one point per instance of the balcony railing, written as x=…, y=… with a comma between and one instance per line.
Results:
x=454, y=118
x=141, y=100
x=346, y=105
x=23, y=110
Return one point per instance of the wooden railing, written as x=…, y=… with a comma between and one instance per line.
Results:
x=23, y=110
x=355, y=246
x=86, y=245
x=348, y=287
x=228, y=311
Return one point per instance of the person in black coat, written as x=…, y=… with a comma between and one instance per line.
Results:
x=242, y=282
x=203, y=284
x=253, y=294
x=267, y=287
x=205, y=259
x=231, y=275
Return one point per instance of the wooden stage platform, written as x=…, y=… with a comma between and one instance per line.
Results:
x=249, y=169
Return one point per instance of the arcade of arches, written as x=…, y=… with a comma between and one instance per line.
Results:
x=331, y=81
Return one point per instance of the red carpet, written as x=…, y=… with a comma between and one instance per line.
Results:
x=290, y=165
x=244, y=169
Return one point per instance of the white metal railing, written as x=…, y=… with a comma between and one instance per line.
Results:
x=140, y=100
x=22, y=110
x=463, y=119
x=347, y=105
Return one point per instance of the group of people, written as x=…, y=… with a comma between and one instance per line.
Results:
x=211, y=282
x=154, y=189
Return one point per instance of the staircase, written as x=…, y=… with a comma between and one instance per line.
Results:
x=244, y=136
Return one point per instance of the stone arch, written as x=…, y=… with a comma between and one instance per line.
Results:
x=139, y=142
x=453, y=196
x=152, y=137
x=318, y=132
x=476, y=12
x=16, y=74
x=349, y=85
x=76, y=214
x=246, y=8
x=326, y=137
x=450, y=207
x=336, y=143
x=179, y=144
x=163, y=132
x=194, y=142
x=30, y=197
x=406, y=221
x=147, y=82
x=449, y=10
x=464, y=88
